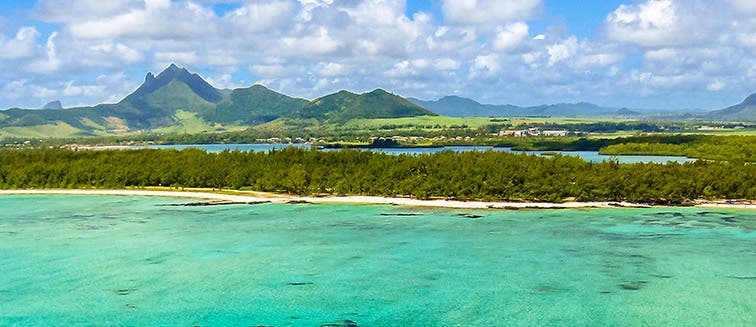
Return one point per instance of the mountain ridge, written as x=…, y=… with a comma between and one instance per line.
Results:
x=177, y=97
x=745, y=111
x=456, y=106
x=343, y=105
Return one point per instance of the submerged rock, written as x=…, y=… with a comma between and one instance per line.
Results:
x=401, y=214
x=343, y=323
x=300, y=283
x=298, y=202
x=633, y=286
x=661, y=276
x=124, y=291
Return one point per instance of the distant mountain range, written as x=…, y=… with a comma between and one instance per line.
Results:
x=177, y=97
x=178, y=100
x=455, y=106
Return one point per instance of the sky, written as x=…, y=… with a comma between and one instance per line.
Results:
x=647, y=54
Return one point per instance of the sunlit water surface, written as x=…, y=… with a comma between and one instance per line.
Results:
x=106, y=260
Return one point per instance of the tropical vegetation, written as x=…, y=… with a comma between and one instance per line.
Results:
x=467, y=176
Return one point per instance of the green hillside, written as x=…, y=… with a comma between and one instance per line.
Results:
x=254, y=105
x=343, y=106
x=173, y=73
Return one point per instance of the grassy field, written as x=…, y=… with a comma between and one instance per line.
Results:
x=470, y=122
x=189, y=123
x=58, y=130
x=425, y=122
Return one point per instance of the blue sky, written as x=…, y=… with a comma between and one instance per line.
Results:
x=657, y=54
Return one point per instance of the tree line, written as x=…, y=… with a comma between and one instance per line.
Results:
x=467, y=176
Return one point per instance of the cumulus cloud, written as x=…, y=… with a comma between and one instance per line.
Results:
x=652, y=23
x=257, y=17
x=511, y=37
x=24, y=44
x=487, y=11
x=107, y=88
x=491, y=50
x=159, y=19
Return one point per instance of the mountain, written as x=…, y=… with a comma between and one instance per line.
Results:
x=455, y=106
x=177, y=100
x=255, y=105
x=580, y=109
x=174, y=74
x=158, y=100
x=53, y=105
x=342, y=106
x=745, y=111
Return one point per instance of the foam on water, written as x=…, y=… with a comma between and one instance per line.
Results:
x=106, y=260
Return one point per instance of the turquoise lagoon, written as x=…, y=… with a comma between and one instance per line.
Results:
x=108, y=260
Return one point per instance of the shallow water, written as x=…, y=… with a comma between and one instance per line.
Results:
x=590, y=156
x=107, y=260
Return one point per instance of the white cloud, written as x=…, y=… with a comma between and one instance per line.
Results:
x=159, y=19
x=661, y=54
x=68, y=11
x=716, y=85
x=478, y=48
x=511, y=37
x=651, y=23
x=24, y=44
x=107, y=88
x=562, y=51
x=486, y=64
x=183, y=58
x=318, y=43
x=745, y=7
x=332, y=69
x=487, y=11
x=446, y=64
x=51, y=62
x=257, y=17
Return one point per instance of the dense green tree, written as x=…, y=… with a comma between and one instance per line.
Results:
x=471, y=175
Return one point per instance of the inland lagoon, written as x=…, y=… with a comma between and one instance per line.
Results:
x=129, y=260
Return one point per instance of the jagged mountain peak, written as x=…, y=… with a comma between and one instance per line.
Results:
x=53, y=105
x=173, y=73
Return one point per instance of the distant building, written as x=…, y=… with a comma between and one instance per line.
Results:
x=555, y=133
x=533, y=132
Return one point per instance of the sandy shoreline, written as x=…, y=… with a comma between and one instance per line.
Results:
x=257, y=197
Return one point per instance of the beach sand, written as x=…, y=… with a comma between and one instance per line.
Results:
x=258, y=197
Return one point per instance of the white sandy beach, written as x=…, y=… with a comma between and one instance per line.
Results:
x=253, y=197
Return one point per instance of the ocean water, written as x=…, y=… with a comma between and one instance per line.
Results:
x=141, y=261
x=590, y=156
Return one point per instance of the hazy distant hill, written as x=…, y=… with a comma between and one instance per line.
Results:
x=53, y=105
x=344, y=105
x=455, y=106
x=745, y=111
